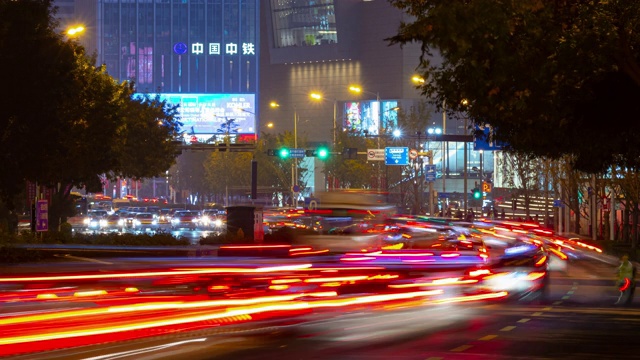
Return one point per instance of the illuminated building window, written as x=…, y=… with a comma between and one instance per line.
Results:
x=303, y=23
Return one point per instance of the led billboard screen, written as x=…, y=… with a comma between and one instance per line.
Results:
x=365, y=116
x=204, y=114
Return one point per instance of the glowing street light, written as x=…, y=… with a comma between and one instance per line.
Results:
x=418, y=79
x=77, y=30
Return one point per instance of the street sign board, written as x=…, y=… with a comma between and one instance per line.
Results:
x=396, y=156
x=483, y=139
x=42, y=215
x=297, y=153
x=413, y=153
x=486, y=187
x=375, y=154
x=430, y=173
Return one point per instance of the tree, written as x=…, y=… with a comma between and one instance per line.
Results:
x=553, y=78
x=65, y=122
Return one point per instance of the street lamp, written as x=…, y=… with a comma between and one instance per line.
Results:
x=76, y=30
x=318, y=97
x=294, y=164
x=465, y=103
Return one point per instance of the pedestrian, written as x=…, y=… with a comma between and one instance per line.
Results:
x=626, y=280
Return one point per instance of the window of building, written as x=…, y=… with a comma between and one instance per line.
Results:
x=303, y=23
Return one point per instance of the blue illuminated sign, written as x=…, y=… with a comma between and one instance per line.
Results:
x=396, y=156
x=483, y=140
x=207, y=113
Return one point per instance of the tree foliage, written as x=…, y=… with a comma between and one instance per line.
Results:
x=64, y=121
x=553, y=78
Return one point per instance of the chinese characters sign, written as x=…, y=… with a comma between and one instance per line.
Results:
x=198, y=48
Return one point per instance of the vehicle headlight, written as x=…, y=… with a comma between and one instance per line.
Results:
x=86, y=221
x=103, y=222
x=120, y=222
x=194, y=220
x=173, y=221
x=136, y=222
x=154, y=222
x=218, y=222
x=205, y=219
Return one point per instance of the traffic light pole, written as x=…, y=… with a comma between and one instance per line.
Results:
x=430, y=188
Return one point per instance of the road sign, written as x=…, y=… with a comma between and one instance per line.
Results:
x=557, y=203
x=396, y=156
x=42, y=215
x=483, y=139
x=297, y=153
x=375, y=154
x=413, y=153
x=430, y=173
x=486, y=187
x=295, y=188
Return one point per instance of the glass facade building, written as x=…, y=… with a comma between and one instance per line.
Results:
x=187, y=50
x=303, y=23
x=180, y=46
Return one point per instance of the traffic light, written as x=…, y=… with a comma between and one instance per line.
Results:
x=321, y=153
x=350, y=153
x=477, y=194
x=284, y=153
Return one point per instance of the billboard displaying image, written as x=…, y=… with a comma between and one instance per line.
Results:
x=365, y=116
x=205, y=114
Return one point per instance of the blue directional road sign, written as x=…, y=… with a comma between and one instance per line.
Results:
x=430, y=173
x=297, y=153
x=483, y=140
x=396, y=156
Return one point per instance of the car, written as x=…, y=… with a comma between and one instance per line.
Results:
x=145, y=221
x=114, y=223
x=94, y=223
x=185, y=219
x=518, y=267
x=210, y=219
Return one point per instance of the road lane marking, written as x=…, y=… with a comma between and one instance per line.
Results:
x=462, y=348
x=565, y=297
x=488, y=337
x=557, y=303
x=536, y=313
x=507, y=328
x=570, y=292
x=546, y=309
x=67, y=256
x=523, y=320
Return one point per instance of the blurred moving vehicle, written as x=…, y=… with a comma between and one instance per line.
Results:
x=185, y=219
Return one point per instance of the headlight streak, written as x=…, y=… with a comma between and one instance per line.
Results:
x=178, y=305
x=211, y=270
x=242, y=313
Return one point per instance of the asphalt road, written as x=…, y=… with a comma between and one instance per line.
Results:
x=579, y=321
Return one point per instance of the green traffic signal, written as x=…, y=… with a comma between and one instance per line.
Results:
x=322, y=153
x=284, y=153
x=477, y=194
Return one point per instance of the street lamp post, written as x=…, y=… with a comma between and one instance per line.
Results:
x=318, y=96
x=465, y=102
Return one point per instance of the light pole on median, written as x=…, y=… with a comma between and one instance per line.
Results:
x=319, y=97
